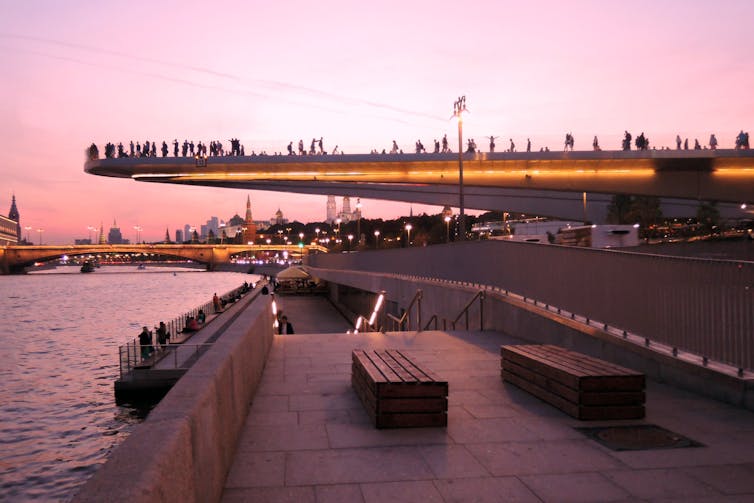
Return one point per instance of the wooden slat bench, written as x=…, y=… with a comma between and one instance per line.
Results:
x=579, y=385
x=397, y=392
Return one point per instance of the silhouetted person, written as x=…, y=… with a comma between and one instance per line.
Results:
x=284, y=327
x=444, y=143
x=528, y=145
x=678, y=142
x=492, y=143
x=145, y=341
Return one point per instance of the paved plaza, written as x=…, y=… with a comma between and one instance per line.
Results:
x=307, y=437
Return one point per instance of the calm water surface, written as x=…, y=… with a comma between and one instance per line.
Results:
x=58, y=361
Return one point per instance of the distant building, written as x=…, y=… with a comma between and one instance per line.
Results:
x=10, y=226
x=114, y=237
x=178, y=236
x=345, y=214
x=278, y=219
x=332, y=210
x=187, y=233
x=83, y=241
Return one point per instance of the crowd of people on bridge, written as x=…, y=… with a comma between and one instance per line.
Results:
x=216, y=148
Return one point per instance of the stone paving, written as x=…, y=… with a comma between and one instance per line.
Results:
x=308, y=439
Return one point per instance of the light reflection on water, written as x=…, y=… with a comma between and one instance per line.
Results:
x=59, y=359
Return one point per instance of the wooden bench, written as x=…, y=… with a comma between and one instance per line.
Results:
x=579, y=385
x=396, y=392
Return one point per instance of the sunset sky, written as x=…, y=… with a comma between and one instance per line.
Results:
x=359, y=74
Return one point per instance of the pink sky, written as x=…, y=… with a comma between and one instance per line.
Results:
x=359, y=74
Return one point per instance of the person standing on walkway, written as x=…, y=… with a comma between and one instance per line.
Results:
x=284, y=327
x=145, y=341
x=216, y=303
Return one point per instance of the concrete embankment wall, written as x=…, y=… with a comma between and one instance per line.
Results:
x=534, y=324
x=184, y=449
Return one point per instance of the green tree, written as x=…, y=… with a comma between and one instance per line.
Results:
x=708, y=215
x=619, y=209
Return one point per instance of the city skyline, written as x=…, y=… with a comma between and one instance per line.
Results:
x=360, y=77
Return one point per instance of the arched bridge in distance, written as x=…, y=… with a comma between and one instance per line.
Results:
x=547, y=183
x=14, y=259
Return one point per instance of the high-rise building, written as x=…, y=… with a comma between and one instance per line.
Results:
x=187, y=233
x=114, y=237
x=332, y=210
x=178, y=236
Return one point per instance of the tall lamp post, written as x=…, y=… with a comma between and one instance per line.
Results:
x=408, y=234
x=447, y=228
x=138, y=230
x=459, y=108
x=376, y=239
x=358, y=222
x=28, y=228
x=90, y=228
x=40, y=231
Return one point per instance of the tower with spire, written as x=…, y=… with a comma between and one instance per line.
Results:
x=16, y=217
x=250, y=234
x=332, y=210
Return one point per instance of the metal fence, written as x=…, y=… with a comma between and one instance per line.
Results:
x=705, y=307
x=130, y=354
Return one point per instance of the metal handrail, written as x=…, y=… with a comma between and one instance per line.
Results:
x=406, y=317
x=175, y=326
x=465, y=311
x=169, y=357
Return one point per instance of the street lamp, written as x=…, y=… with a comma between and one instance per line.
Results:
x=358, y=221
x=447, y=228
x=459, y=108
x=376, y=239
x=408, y=235
x=338, y=221
x=138, y=233
x=350, y=239
x=301, y=236
x=317, y=231
x=28, y=228
x=40, y=231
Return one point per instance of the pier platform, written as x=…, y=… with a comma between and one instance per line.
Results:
x=307, y=437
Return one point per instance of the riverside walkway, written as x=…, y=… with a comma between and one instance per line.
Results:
x=307, y=437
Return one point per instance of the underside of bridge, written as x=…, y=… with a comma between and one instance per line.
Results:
x=545, y=183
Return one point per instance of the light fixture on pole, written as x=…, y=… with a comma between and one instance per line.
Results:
x=459, y=108
x=408, y=234
x=358, y=221
x=376, y=239
x=350, y=239
x=138, y=233
x=447, y=228
x=28, y=228
x=40, y=231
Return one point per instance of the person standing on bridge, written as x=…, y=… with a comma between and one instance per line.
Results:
x=319, y=144
x=678, y=142
x=444, y=144
x=712, y=142
x=492, y=143
x=301, y=147
x=394, y=150
x=216, y=303
x=528, y=145
x=596, y=144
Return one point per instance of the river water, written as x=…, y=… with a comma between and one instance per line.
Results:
x=59, y=359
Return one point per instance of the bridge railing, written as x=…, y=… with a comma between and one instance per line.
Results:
x=701, y=307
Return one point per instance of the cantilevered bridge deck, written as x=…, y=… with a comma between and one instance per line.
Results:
x=719, y=175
